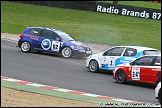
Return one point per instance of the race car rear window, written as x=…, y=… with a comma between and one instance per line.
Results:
x=152, y=52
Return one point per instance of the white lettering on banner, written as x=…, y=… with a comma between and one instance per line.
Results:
x=136, y=14
x=107, y=10
x=156, y=15
x=126, y=12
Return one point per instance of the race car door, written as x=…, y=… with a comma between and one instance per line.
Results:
x=140, y=73
x=50, y=41
x=108, y=60
x=142, y=68
x=155, y=71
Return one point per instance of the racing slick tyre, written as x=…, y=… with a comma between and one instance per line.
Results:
x=159, y=96
x=25, y=47
x=66, y=52
x=93, y=66
x=120, y=77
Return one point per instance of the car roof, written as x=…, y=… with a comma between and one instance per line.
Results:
x=153, y=55
x=46, y=28
x=139, y=48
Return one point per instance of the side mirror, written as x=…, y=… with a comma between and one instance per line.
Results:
x=57, y=39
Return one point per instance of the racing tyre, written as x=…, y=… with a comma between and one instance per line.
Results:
x=120, y=77
x=159, y=96
x=66, y=52
x=93, y=66
x=25, y=47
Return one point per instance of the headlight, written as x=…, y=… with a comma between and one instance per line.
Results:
x=79, y=47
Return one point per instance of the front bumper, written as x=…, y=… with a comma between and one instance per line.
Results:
x=82, y=52
x=87, y=62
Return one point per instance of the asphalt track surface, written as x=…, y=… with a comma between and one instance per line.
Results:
x=70, y=73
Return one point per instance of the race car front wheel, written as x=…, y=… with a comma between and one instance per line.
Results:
x=93, y=66
x=66, y=52
x=120, y=77
x=26, y=47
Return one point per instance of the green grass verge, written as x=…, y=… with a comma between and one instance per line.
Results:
x=91, y=27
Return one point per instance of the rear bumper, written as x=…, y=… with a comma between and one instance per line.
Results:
x=18, y=44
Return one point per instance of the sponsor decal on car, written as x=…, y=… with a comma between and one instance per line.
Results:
x=46, y=44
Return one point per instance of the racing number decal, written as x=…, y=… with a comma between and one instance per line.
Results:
x=135, y=73
x=111, y=62
x=55, y=46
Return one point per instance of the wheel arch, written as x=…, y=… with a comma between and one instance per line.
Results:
x=91, y=60
x=121, y=70
x=26, y=41
x=30, y=48
x=68, y=47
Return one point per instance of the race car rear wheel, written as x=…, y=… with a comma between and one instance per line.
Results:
x=66, y=52
x=93, y=66
x=120, y=77
x=26, y=47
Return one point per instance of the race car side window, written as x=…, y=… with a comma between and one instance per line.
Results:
x=145, y=61
x=35, y=31
x=46, y=33
x=158, y=61
x=49, y=34
x=130, y=52
x=53, y=35
x=117, y=51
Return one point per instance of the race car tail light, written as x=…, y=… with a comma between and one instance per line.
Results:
x=20, y=36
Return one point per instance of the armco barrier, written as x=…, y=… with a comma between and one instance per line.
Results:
x=102, y=7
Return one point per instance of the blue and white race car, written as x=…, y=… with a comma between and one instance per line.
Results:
x=53, y=41
x=110, y=58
